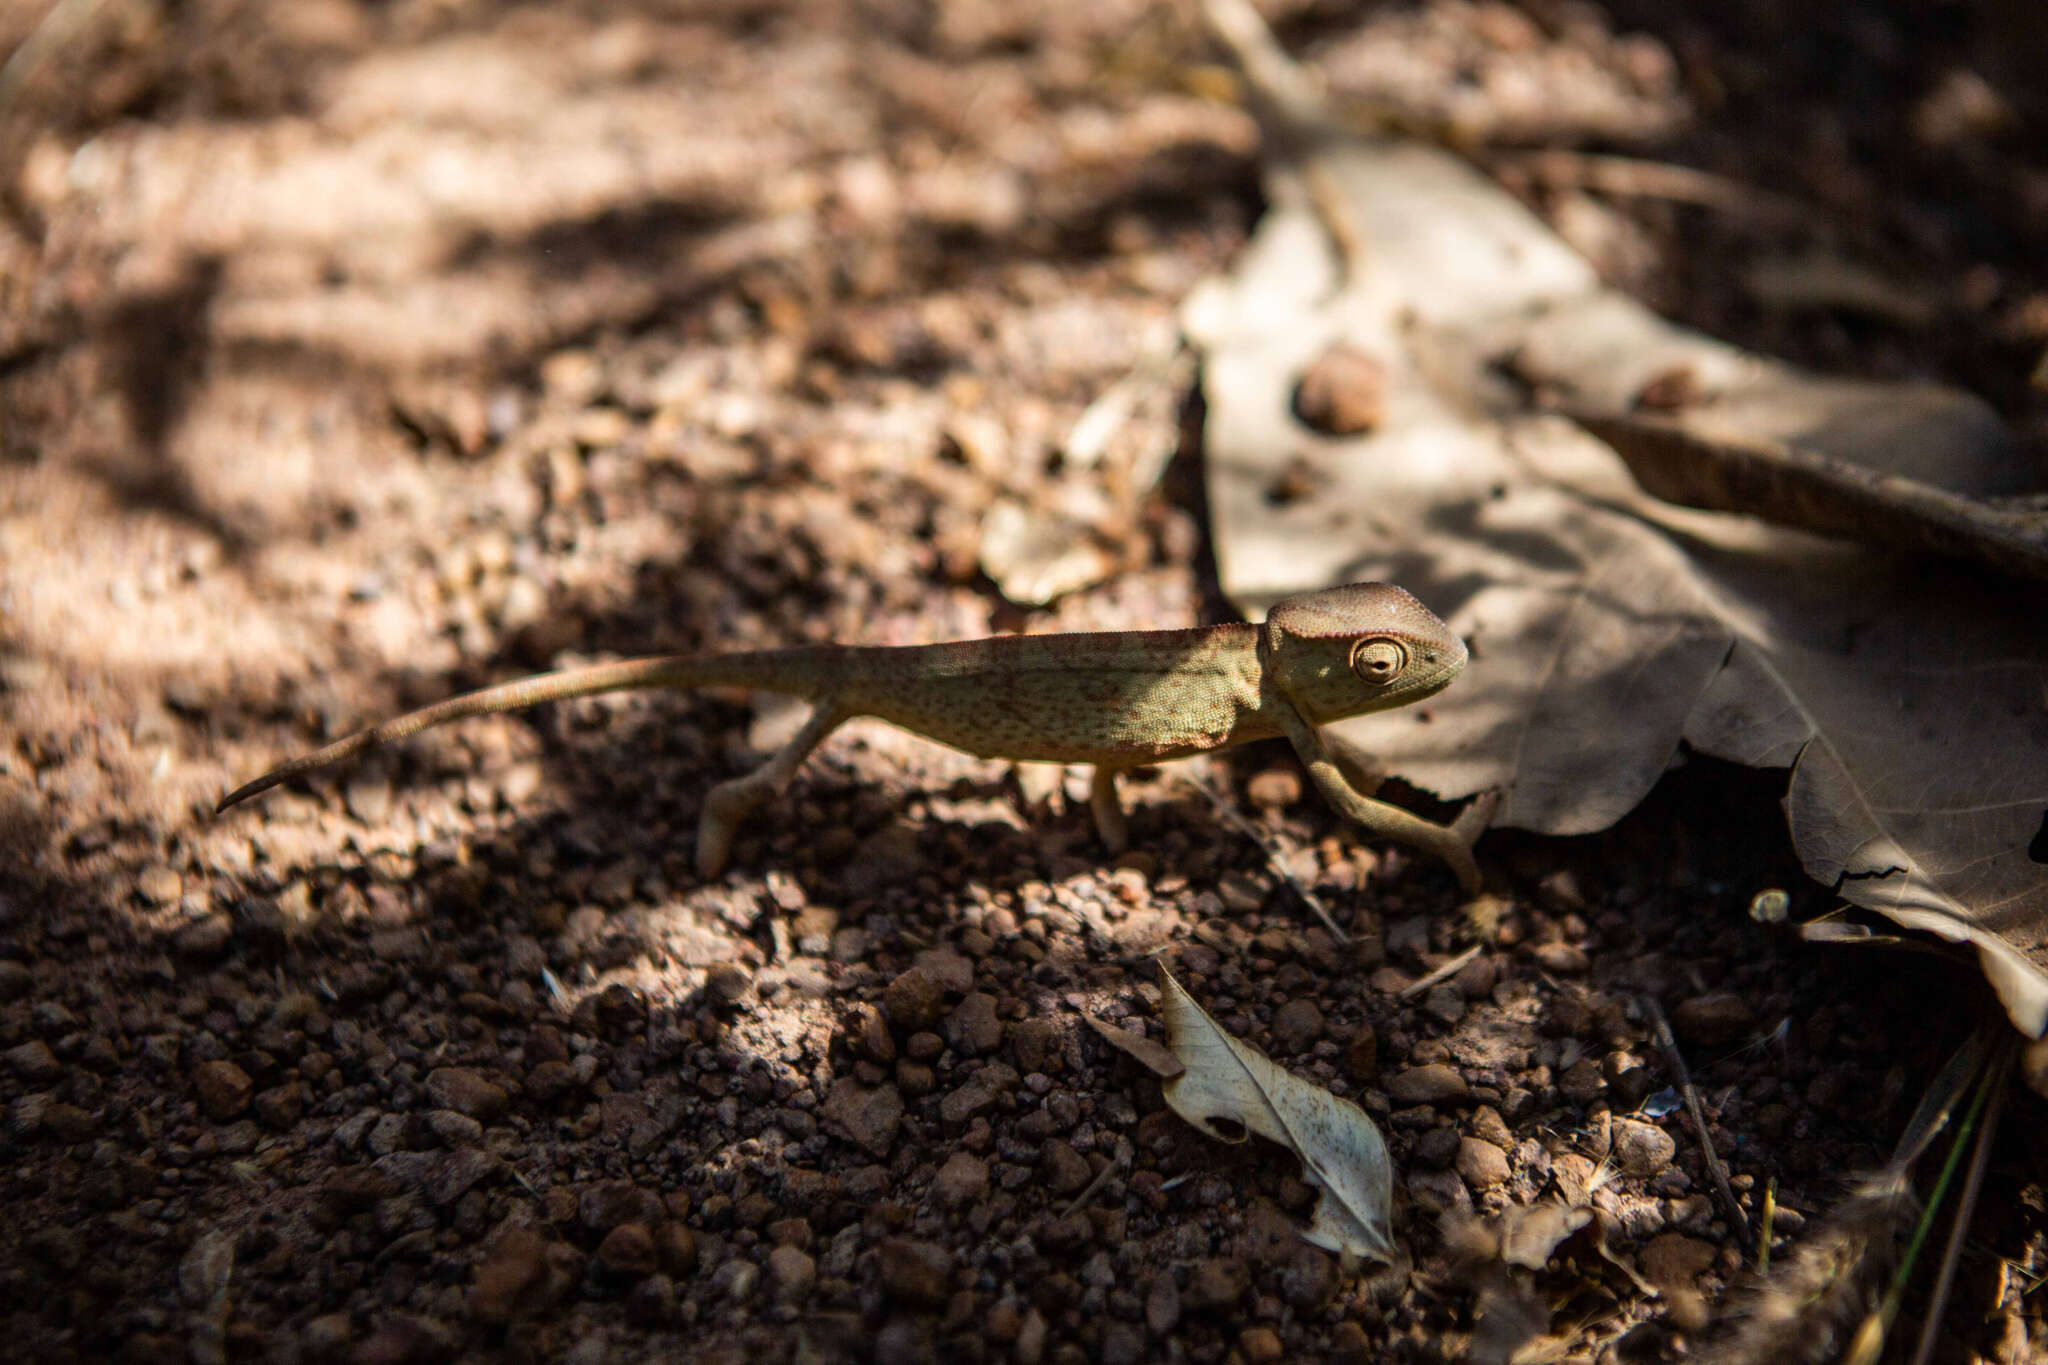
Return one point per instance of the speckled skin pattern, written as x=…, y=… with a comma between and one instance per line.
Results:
x=1115, y=699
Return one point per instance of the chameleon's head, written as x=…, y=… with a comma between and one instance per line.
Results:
x=1367, y=647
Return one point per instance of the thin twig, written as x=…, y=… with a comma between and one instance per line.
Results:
x=1231, y=816
x=1966, y=1206
x=1770, y=1216
x=1443, y=973
x=1668, y=1045
x=1101, y=1178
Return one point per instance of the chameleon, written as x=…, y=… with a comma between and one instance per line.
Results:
x=1114, y=699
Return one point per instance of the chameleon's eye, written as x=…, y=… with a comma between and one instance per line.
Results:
x=1378, y=661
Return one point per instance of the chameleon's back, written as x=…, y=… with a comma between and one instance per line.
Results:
x=1117, y=698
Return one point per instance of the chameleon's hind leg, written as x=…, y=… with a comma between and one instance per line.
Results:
x=1108, y=808
x=731, y=802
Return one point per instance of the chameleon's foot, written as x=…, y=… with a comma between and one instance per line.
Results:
x=725, y=807
x=1108, y=809
x=1461, y=834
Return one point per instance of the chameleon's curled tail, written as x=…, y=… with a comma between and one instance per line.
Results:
x=774, y=670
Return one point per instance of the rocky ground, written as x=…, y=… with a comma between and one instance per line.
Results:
x=353, y=353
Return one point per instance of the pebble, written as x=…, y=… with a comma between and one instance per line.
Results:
x=508, y=1270
x=868, y=1118
x=1343, y=393
x=972, y=1028
x=1562, y=958
x=1034, y=1043
x=1444, y=1003
x=223, y=1088
x=15, y=979
x=628, y=1251
x=467, y=1092
x=1362, y=1054
x=1436, y=1149
x=612, y=1203
x=678, y=1247
x=205, y=939
x=1296, y=1026
x=915, y=1272
x=963, y=1180
x=1260, y=1345
x=36, y=1064
x=1162, y=1304
x=1434, y=1083
x=1218, y=1282
x=1482, y=1164
x=791, y=1273
x=1066, y=1170
x=1310, y=1278
x=871, y=1035
x=1274, y=788
x=912, y=1001
x=1714, y=1019
x=1642, y=1149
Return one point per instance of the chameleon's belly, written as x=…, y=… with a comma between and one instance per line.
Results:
x=1118, y=699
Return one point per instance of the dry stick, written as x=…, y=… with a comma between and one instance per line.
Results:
x=1101, y=1178
x=1443, y=973
x=1668, y=1045
x=1966, y=1205
x=1269, y=847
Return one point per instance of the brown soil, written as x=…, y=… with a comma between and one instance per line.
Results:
x=352, y=353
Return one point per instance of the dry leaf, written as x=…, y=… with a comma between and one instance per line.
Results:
x=1341, y=1152
x=1146, y=1052
x=1608, y=627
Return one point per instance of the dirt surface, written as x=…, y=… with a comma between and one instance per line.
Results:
x=354, y=353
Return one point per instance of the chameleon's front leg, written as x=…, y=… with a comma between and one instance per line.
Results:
x=731, y=802
x=1108, y=809
x=1452, y=842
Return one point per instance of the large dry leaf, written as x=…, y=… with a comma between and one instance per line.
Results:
x=1341, y=1152
x=1608, y=627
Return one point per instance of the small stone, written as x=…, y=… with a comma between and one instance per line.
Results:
x=652, y=1301
x=15, y=980
x=1162, y=1305
x=871, y=1035
x=159, y=885
x=223, y=1088
x=1673, y=1260
x=972, y=1028
x=1261, y=1345
x=325, y=1337
x=607, y=1205
x=913, y=1000
x=1310, y=1278
x=791, y=1273
x=1349, y=1345
x=1296, y=1026
x=963, y=1180
x=279, y=1107
x=1583, y=1081
x=509, y=1269
x=1066, y=1170
x=1434, y=1083
x=549, y=1081
x=868, y=1118
x=205, y=939
x=406, y=1340
x=36, y=1064
x=1274, y=788
x=1713, y=1020
x=1218, y=1282
x=1482, y=1164
x=1445, y=1004
x=727, y=984
x=467, y=1092
x=1034, y=1043
x=628, y=1251
x=1562, y=958
x=1343, y=393
x=1122, y=1344
x=677, y=1246
x=1436, y=1149
x=915, y=1272
x=1362, y=1054
x=1642, y=1150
